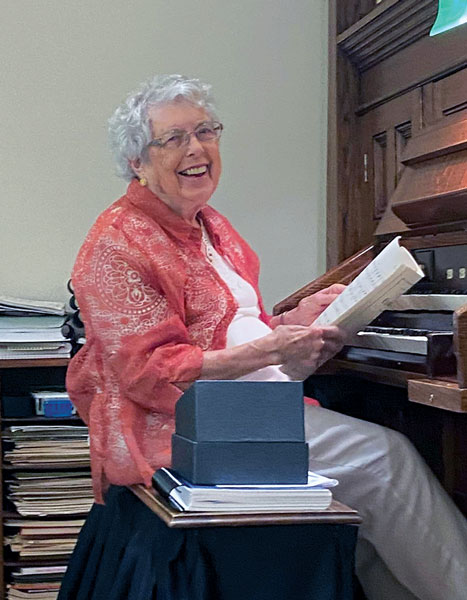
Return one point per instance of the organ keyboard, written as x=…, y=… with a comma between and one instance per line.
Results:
x=417, y=333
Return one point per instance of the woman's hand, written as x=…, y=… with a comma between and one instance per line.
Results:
x=301, y=350
x=311, y=307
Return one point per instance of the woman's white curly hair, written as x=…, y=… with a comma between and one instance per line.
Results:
x=129, y=127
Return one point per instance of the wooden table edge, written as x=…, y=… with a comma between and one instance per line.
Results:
x=337, y=513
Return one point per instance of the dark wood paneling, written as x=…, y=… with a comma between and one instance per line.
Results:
x=428, y=59
x=342, y=221
x=386, y=94
x=451, y=94
x=460, y=345
x=439, y=140
x=349, y=12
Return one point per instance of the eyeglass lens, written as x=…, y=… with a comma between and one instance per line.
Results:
x=205, y=132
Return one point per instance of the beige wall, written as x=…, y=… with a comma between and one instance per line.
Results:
x=67, y=63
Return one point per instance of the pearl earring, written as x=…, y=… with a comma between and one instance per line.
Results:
x=143, y=181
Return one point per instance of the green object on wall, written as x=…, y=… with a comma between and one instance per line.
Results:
x=451, y=13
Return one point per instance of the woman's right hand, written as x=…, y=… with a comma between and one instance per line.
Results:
x=301, y=350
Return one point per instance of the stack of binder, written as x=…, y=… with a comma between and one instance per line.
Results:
x=32, y=329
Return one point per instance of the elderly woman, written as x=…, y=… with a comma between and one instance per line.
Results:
x=168, y=292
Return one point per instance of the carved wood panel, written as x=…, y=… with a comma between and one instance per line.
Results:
x=382, y=135
x=450, y=95
x=423, y=75
x=349, y=12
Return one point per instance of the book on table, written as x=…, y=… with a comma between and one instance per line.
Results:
x=388, y=276
x=313, y=495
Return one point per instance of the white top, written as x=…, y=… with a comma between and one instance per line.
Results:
x=246, y=324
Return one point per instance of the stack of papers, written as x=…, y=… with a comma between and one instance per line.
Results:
x=20, y=306
x=36, y=591
x=50, y=493
x=47, y=445
x=314, y=495
x=38, y=583
x=55, y=492
x=38, y=336
x=42, y=539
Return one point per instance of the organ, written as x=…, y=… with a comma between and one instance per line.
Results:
x=397, y=165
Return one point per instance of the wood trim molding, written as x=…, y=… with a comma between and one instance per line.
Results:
x=390, y=27
x=394, y=77
x=439, y=394
x=460, y=345
x=436, y=141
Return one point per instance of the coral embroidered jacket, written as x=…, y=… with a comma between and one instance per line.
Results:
x=151, y=304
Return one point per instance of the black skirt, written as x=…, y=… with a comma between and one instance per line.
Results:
x=125, y=552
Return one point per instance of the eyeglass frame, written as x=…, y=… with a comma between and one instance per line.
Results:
x=158, y=143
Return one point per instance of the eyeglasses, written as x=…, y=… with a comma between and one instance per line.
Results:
x=176, y=138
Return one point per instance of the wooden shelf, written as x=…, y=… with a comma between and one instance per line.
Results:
x=19, y=377
x=43, y=420
x=439, y=394
x=30, y=362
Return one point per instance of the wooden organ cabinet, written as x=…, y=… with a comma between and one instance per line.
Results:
x=397, y=165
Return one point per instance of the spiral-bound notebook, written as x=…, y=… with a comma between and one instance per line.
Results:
x=313, y=495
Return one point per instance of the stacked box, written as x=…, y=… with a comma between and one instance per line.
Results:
x=240, y=432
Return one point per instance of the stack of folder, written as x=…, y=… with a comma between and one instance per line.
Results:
x=48, y=493
x=42, y=539
x=58, y=481
x=31, y=329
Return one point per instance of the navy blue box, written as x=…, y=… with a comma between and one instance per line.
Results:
x=241, y=411
x=211, y=463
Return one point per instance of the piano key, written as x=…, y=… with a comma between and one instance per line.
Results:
x=413, y=344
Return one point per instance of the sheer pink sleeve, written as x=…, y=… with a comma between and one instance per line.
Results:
x=135, y=338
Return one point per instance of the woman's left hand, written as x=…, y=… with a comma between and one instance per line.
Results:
x=311, y=307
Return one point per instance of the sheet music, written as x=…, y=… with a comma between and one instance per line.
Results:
x=388, y=276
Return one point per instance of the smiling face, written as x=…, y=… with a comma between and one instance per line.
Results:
x=184, y=178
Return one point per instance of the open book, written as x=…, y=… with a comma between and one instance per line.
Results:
x=388, y=276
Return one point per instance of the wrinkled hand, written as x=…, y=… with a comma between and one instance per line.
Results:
x=301, y=350
x=311, y=307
